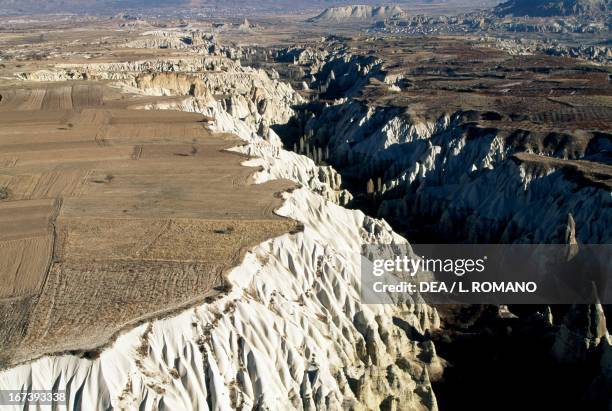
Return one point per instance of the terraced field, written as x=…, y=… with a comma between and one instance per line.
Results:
x=110, y=215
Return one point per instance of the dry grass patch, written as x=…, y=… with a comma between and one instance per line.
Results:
x=115, y=216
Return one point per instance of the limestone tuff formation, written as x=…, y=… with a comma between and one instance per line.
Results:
x=447, y=153
x=357, y=13
x=430, y=157
x=196, y=244
x=287, y=328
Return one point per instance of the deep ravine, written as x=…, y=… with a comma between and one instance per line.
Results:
x=455, y=181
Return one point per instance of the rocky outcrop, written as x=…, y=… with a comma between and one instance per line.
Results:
x=252, y=103
x=241, y=100
x=594, y=53
x=250, y=95
x=553, y=8
x=467, y=182
x=195, y=41
x=488, y=22
x=601, y=385
x=292, y=333
x=345, y=74
x=126, y=70
x=582, y=340
x=357, y=13
x=581, y=334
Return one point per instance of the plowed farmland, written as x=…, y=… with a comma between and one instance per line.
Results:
x=111, y=215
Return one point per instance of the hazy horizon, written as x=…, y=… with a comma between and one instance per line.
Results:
x=111, y=7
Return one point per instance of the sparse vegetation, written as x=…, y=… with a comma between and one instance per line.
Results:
x=131, y=225
x=226, y=230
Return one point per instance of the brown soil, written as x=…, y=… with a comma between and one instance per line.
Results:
x=114, y=215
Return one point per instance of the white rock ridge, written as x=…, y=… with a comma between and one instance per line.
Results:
x=252, y=102
x=470, y=180
x=292, y=333
x=357, y=12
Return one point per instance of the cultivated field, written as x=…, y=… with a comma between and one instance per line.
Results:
x=110, y=215
x=448, y=74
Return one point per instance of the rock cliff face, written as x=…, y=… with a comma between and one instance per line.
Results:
x=124, y=70
x=292, y=333
x=581, y=334
x=473, y=183
x=250, y=104
x=193, y=41
x=471, y=175
x=460, y=177
x=593, y=53
x=240, y=100
x=583, y=341
x=357, y=13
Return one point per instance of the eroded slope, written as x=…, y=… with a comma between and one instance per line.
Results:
x=113, y=215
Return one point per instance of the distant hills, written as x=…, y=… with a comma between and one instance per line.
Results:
x=83, y=6
x=370, y=8
x=335, y=10
x=357, y=12
x=544, y=8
